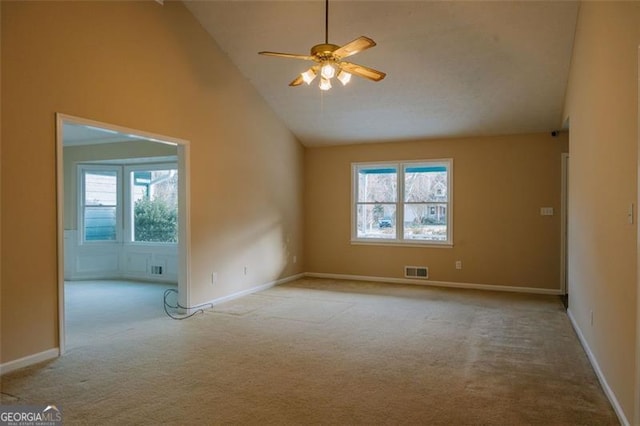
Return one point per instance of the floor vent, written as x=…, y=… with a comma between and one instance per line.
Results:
x=416, y=272
x=156, y=270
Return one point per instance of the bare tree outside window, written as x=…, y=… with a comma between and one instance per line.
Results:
x=403, y=201
x=425, y=203
x=377, y=196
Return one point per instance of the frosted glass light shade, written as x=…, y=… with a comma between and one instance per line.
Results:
x=327, y=70
x=308, y=76
x=344, y=77
x=325, y=83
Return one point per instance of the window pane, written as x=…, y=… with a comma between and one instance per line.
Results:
x=376, y=221
x=425, y=183
x=100, y=224
x=377, y=185
x=154, y=197
x=100, y=188
x=425, y=221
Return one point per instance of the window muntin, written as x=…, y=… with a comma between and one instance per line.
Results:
x=407, y=202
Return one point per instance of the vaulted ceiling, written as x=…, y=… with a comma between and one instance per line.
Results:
x=453, y=68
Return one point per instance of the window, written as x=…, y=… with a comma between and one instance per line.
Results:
x=407, y=202
x=99, y=203
x=148, y=197
x=154, y=205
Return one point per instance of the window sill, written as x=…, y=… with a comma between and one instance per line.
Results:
x=149, y=243
x=127, y=243
x=98, y=243
x=393, y=243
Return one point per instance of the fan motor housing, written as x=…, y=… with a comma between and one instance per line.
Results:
x=324, y=50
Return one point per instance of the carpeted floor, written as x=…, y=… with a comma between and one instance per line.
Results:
x=328, y=352
x=96, y=311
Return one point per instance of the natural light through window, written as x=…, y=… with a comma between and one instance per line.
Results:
x=408, y=202
x=100, y=205
x=140, y=199
x=154, y=196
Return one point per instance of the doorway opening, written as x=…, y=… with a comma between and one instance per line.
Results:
x=123, y=212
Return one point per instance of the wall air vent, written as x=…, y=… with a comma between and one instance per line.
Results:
x=421, y=272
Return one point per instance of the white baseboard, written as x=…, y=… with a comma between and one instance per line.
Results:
x=252, y=290
x=474, y=286
x=29, y=360
x=596, y=367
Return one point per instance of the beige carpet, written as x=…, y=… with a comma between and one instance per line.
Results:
x=330, y=352
x=96, y=311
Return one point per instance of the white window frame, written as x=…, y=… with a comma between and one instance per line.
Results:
x=124, y=211
x=128, y=207
x=82, y=169
x=399, y=239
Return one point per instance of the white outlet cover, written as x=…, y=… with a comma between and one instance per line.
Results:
x=546, y=211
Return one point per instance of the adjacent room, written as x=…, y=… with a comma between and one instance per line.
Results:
x=362, y=211
x=121, y=227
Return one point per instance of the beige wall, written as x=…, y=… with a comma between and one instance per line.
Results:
x=149, y=67
x=0, y=186
x=602, y=106
x=500, y=183
x=73, y=155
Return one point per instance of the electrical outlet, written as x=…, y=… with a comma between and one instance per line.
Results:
x=591, y=317
x=214, y=277
x=245, y=270
x=295, y=259
x=458, y=264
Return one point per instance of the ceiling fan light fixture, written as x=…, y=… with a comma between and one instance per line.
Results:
x=325, y=83
x=344, y=77
x=329, y=61
x=308, y=76
x=328, y=71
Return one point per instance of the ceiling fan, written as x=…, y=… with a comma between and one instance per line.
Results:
x=329, y=60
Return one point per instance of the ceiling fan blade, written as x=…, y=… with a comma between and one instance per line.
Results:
x=297, y=82
x=287, y=55
x=353, y=47
x=363, y=71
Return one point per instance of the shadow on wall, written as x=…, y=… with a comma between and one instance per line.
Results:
x=251, y=256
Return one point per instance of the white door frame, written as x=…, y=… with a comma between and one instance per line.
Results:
x=564, y=201
x=184, y=225
x=636, y=411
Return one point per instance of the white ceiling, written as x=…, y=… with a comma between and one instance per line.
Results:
x=453, y=68
x=83, y=134
x=80, y=134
